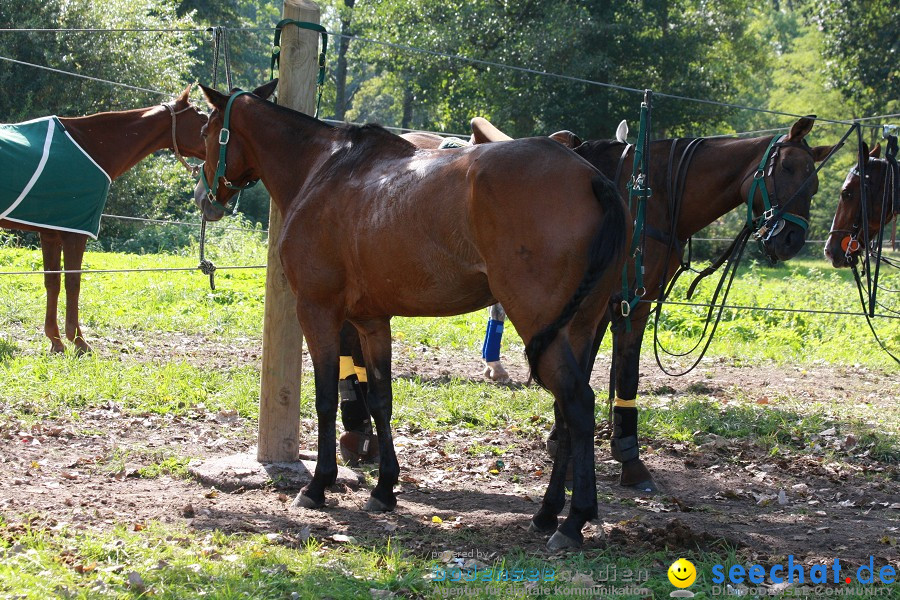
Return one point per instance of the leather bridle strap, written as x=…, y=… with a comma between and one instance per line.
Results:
x=192, y=169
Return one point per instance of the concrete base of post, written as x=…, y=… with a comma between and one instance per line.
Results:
x=243, y=471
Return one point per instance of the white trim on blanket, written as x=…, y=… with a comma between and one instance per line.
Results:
x=44, y=226
x=90, y=158
x=37, y=172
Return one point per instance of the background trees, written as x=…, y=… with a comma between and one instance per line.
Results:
x=430, y=64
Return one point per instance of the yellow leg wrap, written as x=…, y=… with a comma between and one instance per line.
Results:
x=347, y=368
x=625, y=403
x=361, y=374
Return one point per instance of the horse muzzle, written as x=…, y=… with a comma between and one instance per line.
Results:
x=209, y=210
x=784, y=241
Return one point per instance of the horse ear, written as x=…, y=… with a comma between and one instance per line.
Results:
x=876, y=151
x=801, y=128
x=264, y=91
x=186, y=94
x=214, y=98
x=820, y=152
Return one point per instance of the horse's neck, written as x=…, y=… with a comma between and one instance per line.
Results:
x=119, y=140
x=286, y=148
x=714, y=181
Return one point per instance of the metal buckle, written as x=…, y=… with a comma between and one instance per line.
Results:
x=626, y=308
x=760, y=174
x=769, y=213
x=224, y=136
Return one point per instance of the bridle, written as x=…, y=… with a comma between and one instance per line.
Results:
x=192, y=169
x=224, y=138
x=890, y=200
x=772, y=220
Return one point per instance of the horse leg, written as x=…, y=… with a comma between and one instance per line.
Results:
x=545, y=520
x=51, y=249
x=624, y=442
x=322, y=339
x=563, y=374
x=73, y=249
x=558, y=423
x=376, y=342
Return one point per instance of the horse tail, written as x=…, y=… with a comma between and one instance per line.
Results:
x=606, y=249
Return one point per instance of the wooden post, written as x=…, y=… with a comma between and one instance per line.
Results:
x=282, y=357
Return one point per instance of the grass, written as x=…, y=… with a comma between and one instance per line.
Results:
x=52, y=561
x=165, y=562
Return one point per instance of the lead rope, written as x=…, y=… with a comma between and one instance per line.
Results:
x=220, y=47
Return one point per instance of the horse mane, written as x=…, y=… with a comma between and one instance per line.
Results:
x=362, y=144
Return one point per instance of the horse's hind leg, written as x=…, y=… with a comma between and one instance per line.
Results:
x=545, y=520
x=73, y=249
x=322, y=340
x=51, y=249
x=563, y=375
x=376, y=342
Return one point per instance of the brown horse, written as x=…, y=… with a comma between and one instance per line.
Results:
x=846, y=239
x=115, y=141
x=433, y=233
x=693, y=182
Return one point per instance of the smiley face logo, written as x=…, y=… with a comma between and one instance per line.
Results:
x=682, y=573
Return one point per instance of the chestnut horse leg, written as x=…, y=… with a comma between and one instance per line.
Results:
x=51, y=249
x=73, y=250
x=376, y=343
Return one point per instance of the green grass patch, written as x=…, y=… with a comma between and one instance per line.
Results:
x=52, y=386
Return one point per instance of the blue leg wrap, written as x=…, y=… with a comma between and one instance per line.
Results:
x=490, y=351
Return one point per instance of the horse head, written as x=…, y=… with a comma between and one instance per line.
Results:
x=226, y=171
x=846, y=238
x=787, y=181
x=187, y=121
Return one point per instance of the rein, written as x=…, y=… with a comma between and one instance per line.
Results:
x=890, y=205
x=763, y=227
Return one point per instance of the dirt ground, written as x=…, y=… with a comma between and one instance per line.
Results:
x=723, y=493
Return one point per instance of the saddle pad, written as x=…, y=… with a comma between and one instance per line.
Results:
x=48, y=180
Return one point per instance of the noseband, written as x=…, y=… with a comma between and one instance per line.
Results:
x=771, y=222
x=224, y=138
x=192, y=169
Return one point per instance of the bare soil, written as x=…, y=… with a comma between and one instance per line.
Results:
x=724, y=493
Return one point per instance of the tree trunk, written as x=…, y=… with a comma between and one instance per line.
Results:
x=340, y=74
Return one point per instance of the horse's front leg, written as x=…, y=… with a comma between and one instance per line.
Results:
x=376, y=343
x=73, y=249
x=322, y=340
x=51, y=249
x=624, y=442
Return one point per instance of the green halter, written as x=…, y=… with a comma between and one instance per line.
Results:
x=224, y=137
x=771, y=214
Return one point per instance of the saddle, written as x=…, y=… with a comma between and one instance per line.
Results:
x=483, y=131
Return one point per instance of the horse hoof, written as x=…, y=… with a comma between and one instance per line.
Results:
x=636, y=475
x=376, y=505
x=647, y=486
x=560, y=541
x=302, y=501
x=535, y=528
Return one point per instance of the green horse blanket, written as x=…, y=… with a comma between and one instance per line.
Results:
x=48, y=180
